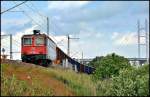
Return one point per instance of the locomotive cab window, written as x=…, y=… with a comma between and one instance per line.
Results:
x=39, y=41
x=27, y=41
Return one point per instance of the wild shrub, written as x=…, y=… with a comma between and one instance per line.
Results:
x=131, y=82
x=109, y=66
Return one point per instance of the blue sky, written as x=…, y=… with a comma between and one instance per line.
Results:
x=102, y=26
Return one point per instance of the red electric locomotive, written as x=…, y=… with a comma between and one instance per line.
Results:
x=38, y=49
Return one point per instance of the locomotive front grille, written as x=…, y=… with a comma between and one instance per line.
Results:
x=33, y=57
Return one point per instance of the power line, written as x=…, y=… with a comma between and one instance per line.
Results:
x=33, y=10
x=30, y=17
x=60, y=30
x=41, y=16
x=33, y=20
x=75, y=53
x=46, y=17
x=13, y=7
x=37, y=10
x=18, y=44
x=6, y=39
x=24, y=12
x=37, y=23
x=56, y=25
x=60, y=42
x=17, y=41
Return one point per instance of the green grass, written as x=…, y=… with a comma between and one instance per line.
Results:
x=11, y=86
x=80, y=84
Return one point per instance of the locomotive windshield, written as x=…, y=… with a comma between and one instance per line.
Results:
x=39, y=41
x=27, y=41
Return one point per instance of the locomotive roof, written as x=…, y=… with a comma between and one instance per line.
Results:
x=38, y=35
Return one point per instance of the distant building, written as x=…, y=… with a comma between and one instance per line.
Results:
x=137, y=61
x=133, y=61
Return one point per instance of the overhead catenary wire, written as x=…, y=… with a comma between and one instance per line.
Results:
x=44, y=16
x=79, y=46
x=17, y=41
x=18, y=44
x=7, y=47
x=59, y=30
x=41, y=25
x=35, y=12
x=7, y=38
x=36, y=22
x=24, y=12
x=13, y=7
x=56, y=25
x=75, y=53
x=30, y=17
x=33, y=20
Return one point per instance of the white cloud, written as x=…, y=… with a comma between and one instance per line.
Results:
x=15, y=22
x=115, y=35
x=87, y=37
x=2, y=33
x=90, y=41
x=60, y=5
x=16, y=43
x=5, y=42
x=61, y=41
x=129, y=38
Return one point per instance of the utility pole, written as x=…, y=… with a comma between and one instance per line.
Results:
x=68, y=51
x=10, y=10
x=68, y=45
x=47, y=26
x=82, y=57
x=11, y=57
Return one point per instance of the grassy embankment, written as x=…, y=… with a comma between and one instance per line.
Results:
x=23, y=79
x=28, y=79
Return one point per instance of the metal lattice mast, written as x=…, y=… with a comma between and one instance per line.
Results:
x=138, y=23
x=147, y=40
x=145, y=36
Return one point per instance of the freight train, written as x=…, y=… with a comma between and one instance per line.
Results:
x=40, y=49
